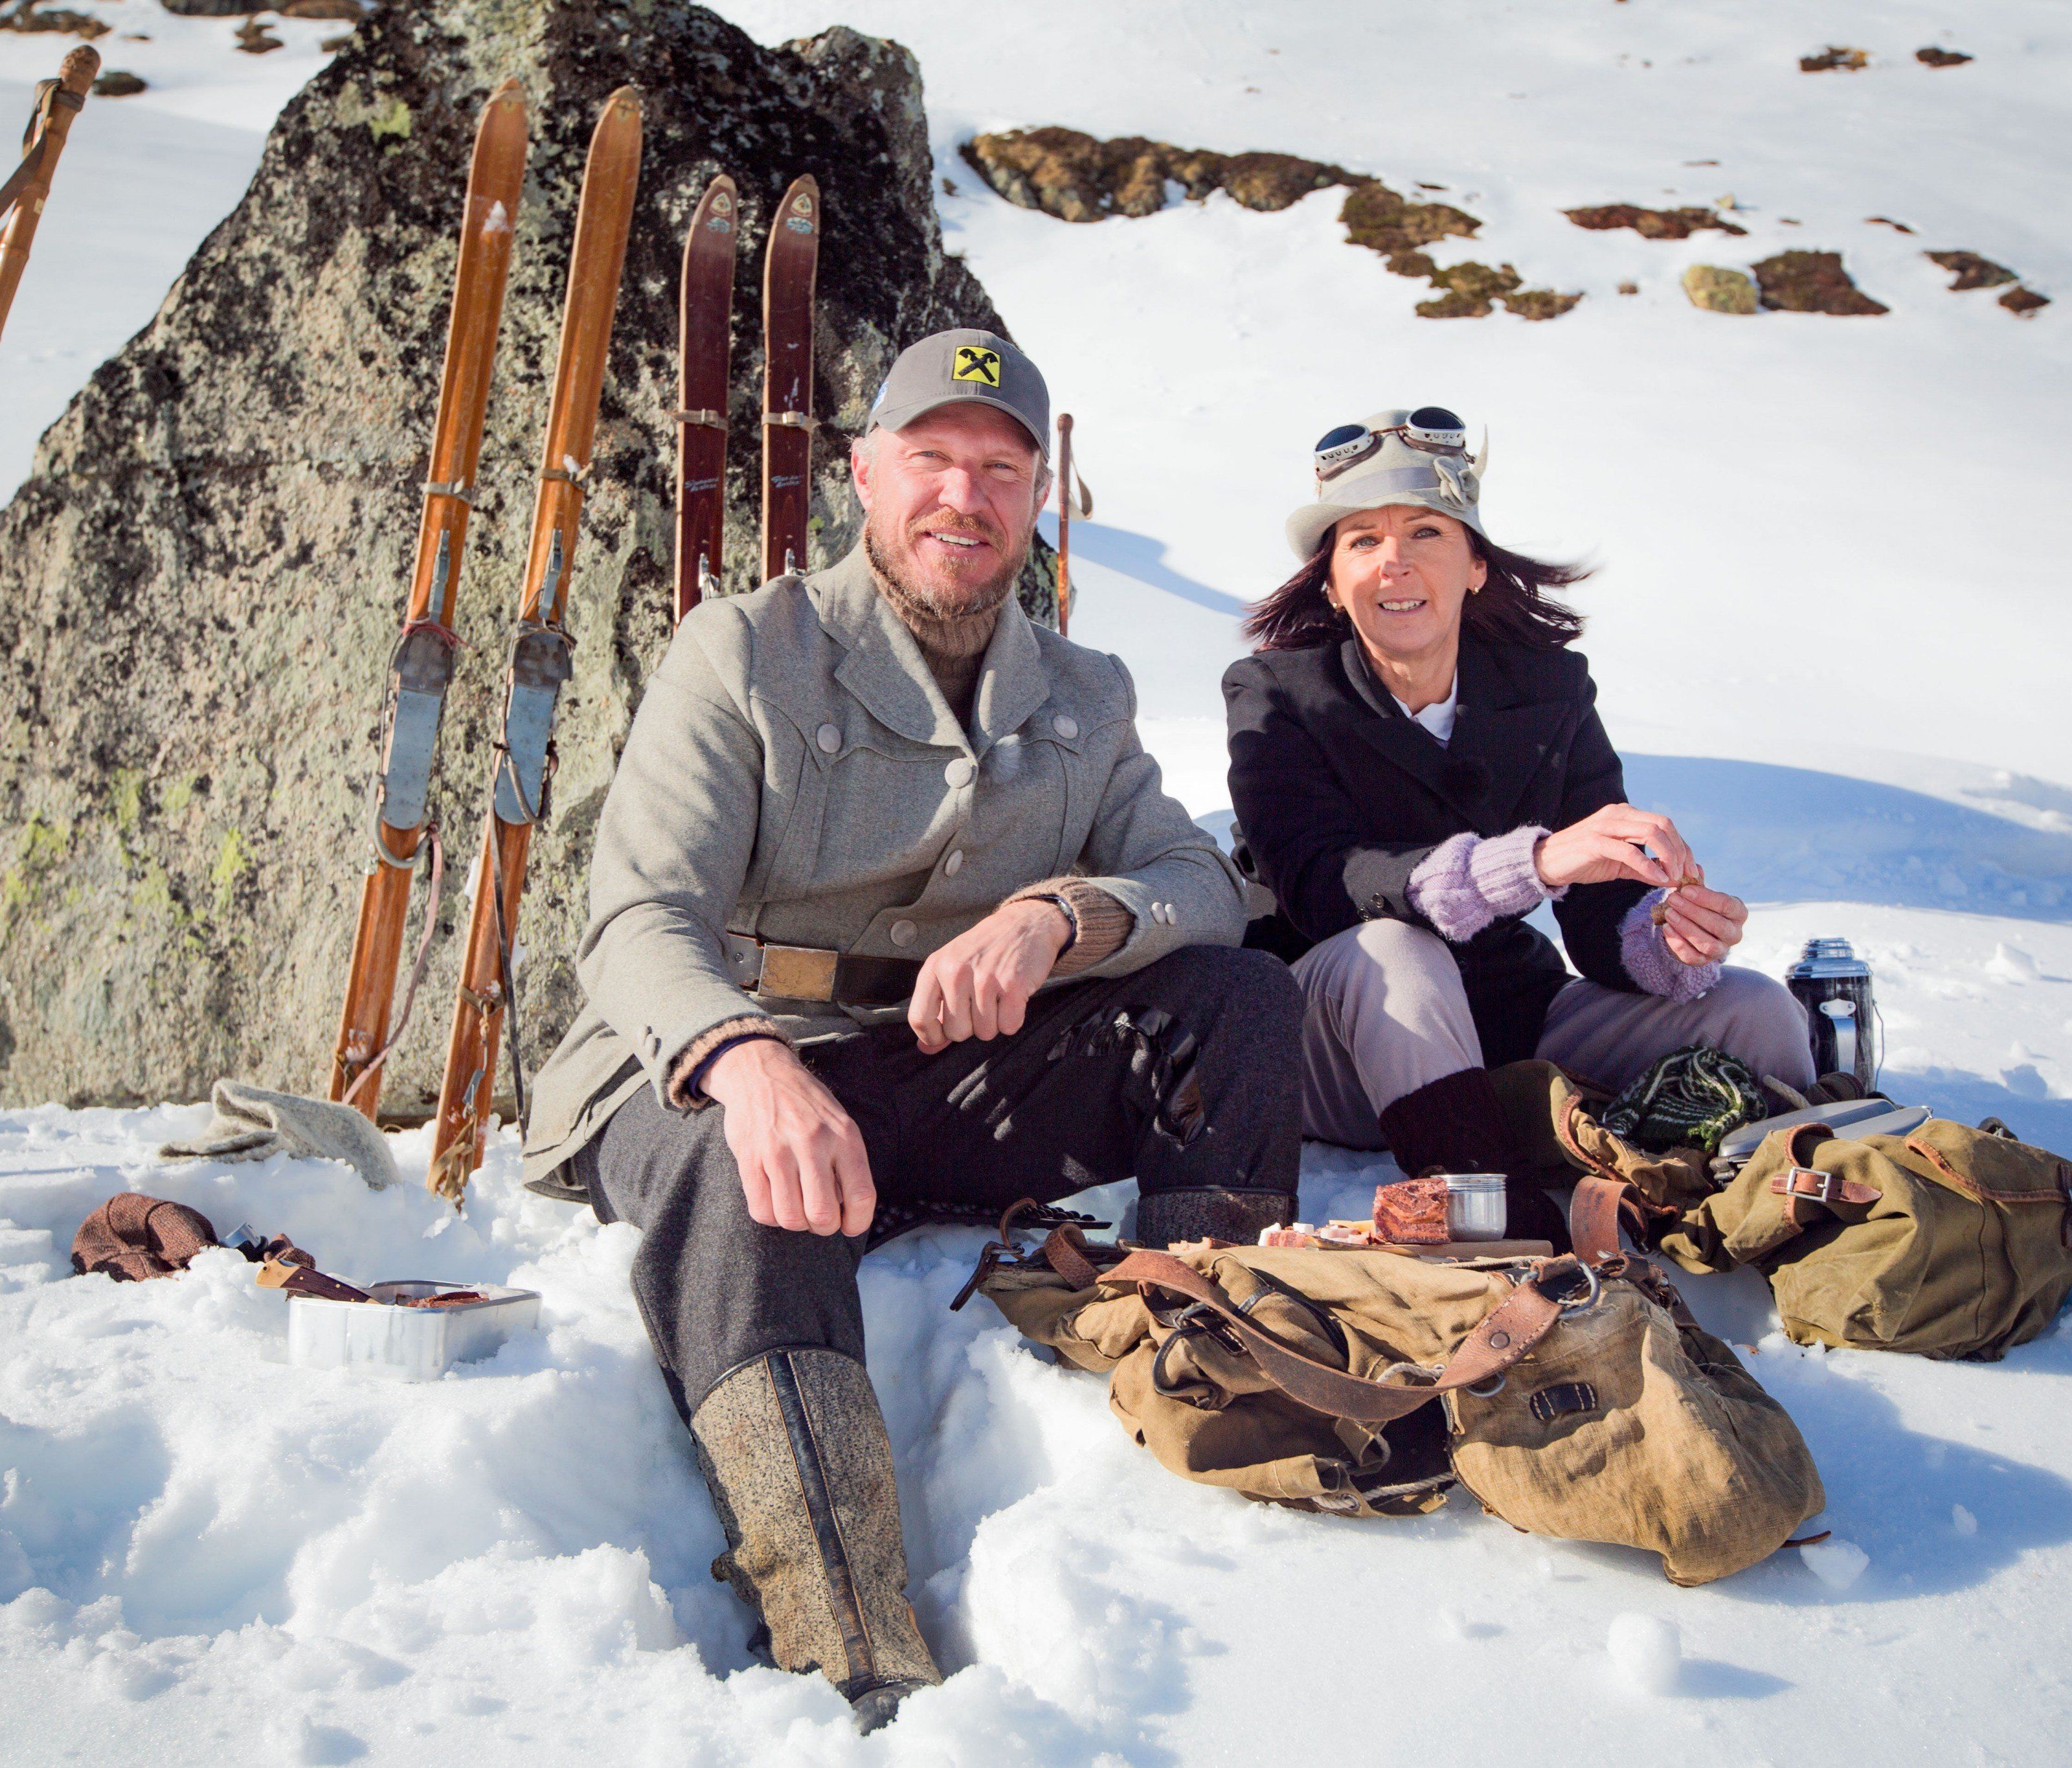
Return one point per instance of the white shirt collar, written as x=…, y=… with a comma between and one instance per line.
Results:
x=1438, y=717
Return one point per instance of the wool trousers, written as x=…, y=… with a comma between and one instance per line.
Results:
x=1384, y=1014
x=1180, y=1074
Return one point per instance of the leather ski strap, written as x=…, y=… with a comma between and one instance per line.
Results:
x=1519, y=1322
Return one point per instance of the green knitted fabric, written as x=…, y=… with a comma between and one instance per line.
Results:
x=1690, y=1098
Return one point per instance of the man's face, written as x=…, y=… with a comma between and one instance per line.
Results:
x=950, y=503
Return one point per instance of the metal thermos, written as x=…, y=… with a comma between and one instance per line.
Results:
x=1835, y=984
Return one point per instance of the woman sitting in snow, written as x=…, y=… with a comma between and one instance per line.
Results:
x=1416, y=764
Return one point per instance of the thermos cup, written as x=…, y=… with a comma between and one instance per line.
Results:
x=1835, y=984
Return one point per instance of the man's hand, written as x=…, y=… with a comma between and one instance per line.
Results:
x=978, y=985
x=801, y=1155
x=1611, y=843
x=1700, y=925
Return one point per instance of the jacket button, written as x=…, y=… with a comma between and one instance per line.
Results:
x=954, y=863
x=1066, y=727
x=903, y=932
x=959, y=771
x=828, y=739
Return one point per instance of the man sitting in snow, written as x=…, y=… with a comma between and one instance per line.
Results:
x=886, y=877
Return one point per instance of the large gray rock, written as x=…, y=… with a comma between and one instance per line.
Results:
x=201, y=579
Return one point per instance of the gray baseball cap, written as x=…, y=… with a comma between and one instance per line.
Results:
x=1392, y=471
x=951, y=368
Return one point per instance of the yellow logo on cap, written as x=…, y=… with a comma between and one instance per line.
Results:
x=975, y=362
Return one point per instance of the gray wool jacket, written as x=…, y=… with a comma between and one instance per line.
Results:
x=794, y=773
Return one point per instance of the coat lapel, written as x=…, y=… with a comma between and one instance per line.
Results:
x=1013, y=683
x=1499, y=741
x=883, y=667
x=1400, y=740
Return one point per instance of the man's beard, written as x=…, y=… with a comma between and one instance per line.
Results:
x=957, y=620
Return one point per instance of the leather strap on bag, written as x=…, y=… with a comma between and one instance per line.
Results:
x=1523, y=1318
x=1599, y=1208
x=1801, y=1183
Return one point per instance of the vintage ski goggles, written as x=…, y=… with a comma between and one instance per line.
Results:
x=1431, y=429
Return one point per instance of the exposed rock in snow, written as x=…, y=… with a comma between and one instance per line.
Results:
x=1812, y=282
x=1720, y=290
x=1077, y=177
x=1653, y=223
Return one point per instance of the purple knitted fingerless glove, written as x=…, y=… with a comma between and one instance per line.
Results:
x=1650, y=962
x=1469, y=880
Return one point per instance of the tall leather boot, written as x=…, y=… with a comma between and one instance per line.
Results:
x=1457, y=1125
x=1166, y=1217
x=793, y=1450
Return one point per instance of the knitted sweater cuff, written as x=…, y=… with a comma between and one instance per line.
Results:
x=1649, y=962
x=687, y=1074
x=1104, y=924
x=1468, y=881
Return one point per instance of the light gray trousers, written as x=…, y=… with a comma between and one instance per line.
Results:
x=1385, y=1013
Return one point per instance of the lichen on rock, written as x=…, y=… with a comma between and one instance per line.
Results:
x=1716, y=289
x=200, y=580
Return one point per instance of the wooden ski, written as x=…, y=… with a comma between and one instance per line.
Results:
x=789, y=265
x=540, y=651
x=422, y=663
x=23, y=194
x=704, y=335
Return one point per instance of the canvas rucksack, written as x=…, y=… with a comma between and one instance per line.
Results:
x=1575, y=1402
x=1946, y=1241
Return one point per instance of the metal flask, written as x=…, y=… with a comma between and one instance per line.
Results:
x=1835, y=984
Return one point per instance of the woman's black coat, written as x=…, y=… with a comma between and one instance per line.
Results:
x=1339, y=796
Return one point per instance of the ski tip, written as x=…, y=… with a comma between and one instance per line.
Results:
x=76, y=72
x=626, y=101
x=509, y=92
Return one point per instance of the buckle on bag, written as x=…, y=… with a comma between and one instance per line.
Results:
x=1817, y=1187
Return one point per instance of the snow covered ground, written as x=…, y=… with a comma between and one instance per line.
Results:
x=1831, y=631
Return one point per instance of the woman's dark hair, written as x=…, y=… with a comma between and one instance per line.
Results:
x=1513, y=607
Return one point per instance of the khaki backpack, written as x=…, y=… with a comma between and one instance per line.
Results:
x=1579, y=1403
x=1947, y=1242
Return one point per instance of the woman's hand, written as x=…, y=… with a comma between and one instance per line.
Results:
x=1612, y=843
x=1699, y=925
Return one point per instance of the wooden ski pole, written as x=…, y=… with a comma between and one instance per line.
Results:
x=1064, y=521
x=58, y=102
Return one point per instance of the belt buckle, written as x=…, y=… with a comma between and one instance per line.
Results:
x=798, y=972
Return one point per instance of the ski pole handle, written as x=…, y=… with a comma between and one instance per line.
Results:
x=1064, y=521
x=57, y=102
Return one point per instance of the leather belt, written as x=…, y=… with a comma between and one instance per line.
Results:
x=809, y=972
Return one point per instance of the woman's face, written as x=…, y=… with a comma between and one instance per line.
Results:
x=1403, y=573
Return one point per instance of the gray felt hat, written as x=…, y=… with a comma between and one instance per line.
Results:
x=964, y=367
x=1392, y=471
